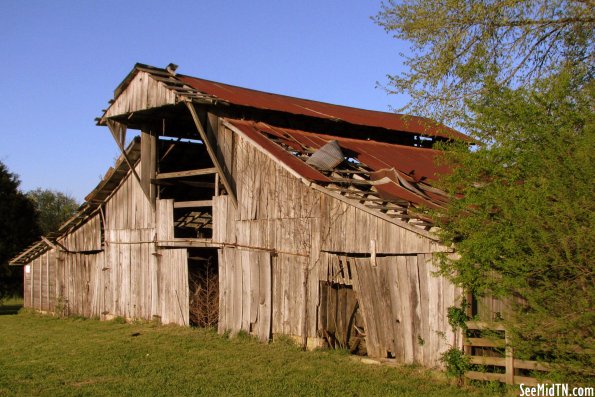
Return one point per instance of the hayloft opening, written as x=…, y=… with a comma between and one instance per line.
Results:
x=203, y=284
x=187, y=175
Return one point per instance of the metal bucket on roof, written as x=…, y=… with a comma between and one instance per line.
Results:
x=327, y=157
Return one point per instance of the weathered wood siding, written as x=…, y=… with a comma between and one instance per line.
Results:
x=346, y=228
x=40, y=282
x=143, y=92
x=245, y=291
x=125, y=276
x=276, y=213
x=403, y=304
x=128, y=208
x=85, y=238
x=405, y=308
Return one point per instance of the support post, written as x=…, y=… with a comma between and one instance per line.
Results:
x=373, y=253
x=509, y=360
x=148, y=155
x=212, y=124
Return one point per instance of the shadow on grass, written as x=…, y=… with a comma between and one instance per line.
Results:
x=10, y=307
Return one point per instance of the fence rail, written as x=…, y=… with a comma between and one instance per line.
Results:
x=508, y=362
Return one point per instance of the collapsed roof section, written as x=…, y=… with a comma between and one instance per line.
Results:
x=392, y=179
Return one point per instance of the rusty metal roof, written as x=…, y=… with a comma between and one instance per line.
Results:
x=297, y=106
x=375, y=172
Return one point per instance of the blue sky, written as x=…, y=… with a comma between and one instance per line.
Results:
x=61, y=60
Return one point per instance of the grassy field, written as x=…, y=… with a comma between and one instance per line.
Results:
x=46, y=356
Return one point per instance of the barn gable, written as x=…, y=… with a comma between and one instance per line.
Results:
x=311, y=215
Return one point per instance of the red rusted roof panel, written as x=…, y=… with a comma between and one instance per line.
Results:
x=417, y=163
x=255, y=133
x=405, y=166
x=267, y=101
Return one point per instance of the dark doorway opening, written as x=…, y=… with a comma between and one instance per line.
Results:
x=203, y=284
x=342, y=325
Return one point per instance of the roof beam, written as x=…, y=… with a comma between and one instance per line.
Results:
x=210, y=142
x=193, y=204
x=182, y=174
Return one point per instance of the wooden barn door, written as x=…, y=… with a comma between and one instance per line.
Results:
x=404, y=307
x=245, y=292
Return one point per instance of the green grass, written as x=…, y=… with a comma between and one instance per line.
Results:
x=47, y=356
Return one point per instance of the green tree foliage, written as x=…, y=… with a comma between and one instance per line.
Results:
x=54, y=208
x=524, y=221
x=18, y=228
x=458, y=45
x=518, y=77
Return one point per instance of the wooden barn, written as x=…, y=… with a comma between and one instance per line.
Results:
x=272, y=214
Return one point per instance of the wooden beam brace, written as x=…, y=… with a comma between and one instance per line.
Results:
x=182, y=174
x=116, y=130
x=193, y=204
x=212, y=153
x=54, y=244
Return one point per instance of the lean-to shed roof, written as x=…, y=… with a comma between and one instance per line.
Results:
x=93, y=201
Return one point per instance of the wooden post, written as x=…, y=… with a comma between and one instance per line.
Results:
x=509, y=360
x=148, y=155
x=31, y=283
x=40, y=281
x=305, y=308
x=212, y=123
x=47, y=278
x=373, y=253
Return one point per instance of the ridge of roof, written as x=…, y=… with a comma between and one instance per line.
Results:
x=262, y=100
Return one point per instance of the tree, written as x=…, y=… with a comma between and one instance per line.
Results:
x=53, y=207
x=18, y=228
x=524, y=220
x=518, y=77
x=457, y=46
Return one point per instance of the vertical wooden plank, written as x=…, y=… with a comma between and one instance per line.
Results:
x=148, y=165
x=363, y=294
x=406, y=309
x=509, y=360
x=246, y=287
x=277, y=298
x=223, y=308
x=237, y=291
x=396, y=308
x=264, y=297
x=423, y=274
x=254, y=292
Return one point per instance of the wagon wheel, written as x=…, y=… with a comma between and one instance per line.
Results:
x=356, y=335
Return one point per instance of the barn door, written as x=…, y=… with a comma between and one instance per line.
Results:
x=245, y=292
x=341, y=323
